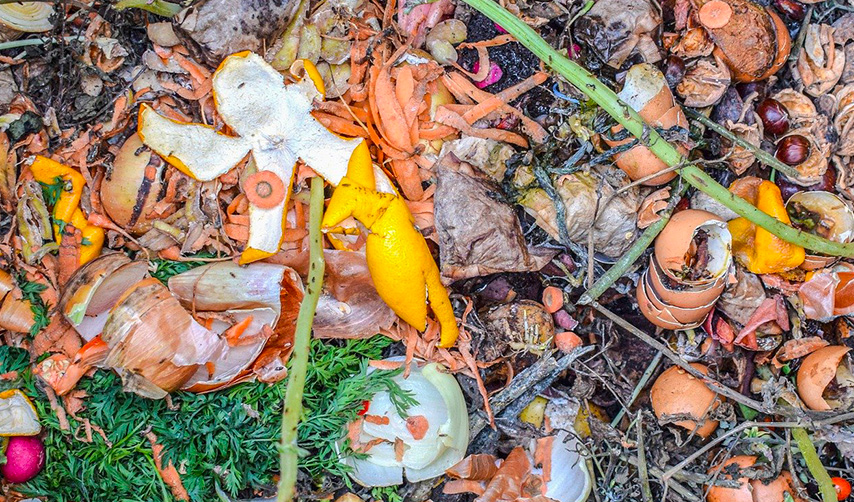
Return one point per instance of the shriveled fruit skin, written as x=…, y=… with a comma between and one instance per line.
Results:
x=213, y=29
x=750, y=42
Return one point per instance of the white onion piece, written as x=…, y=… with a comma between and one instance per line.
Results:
x=24, y=17
x=441, y=403
x=222, y=286
x=238, y=357
x=570, y=481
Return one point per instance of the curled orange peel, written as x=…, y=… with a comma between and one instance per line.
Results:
x=400, y=263
x=271, y=121
x=67, y=208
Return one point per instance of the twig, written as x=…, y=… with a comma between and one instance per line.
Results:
x=587, y=83
x=712, y=383
x=643, y=472
x=763, y=156
x=822, y=478
x=668, y=483
x=288, y=453
x=629, y=257
x=639, y=387
x=540, y=374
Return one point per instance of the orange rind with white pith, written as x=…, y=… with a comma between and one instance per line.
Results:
x=18, y=416
x=271, y=121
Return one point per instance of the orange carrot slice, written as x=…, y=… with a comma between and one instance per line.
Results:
x=264, y=190
x=553, y=299
x=715, y=14
x=417, y=425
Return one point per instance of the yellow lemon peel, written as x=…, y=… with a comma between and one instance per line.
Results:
x=400, y=263
x=18, y=416
x=67, y=207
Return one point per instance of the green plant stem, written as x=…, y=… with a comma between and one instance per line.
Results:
x=629, y=257
x=763, y=156
x=159, y=7
x=289, y=452
x=825, y=484
x=629, y=118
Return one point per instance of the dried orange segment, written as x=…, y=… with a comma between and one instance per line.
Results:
x=18, y=416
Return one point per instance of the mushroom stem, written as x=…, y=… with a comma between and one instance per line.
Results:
x=587, y=83
x=822, y=478
x=289, y=452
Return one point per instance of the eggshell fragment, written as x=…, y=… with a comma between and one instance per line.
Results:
x=676, y=392
x=673, y=246
x=837, y=214
x=683, y=296
x=816, y=372
x=750, y=490
x=655, y=315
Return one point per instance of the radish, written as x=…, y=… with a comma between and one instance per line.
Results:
x=24, y=459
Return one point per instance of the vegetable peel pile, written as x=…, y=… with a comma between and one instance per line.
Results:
x=272, y=121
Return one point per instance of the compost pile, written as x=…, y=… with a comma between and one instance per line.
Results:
x=405, y=250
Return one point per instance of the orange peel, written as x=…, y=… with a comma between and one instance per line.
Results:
x=403, y=270
x=272, y=122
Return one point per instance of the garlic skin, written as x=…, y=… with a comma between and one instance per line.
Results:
x=820, y=63
x=440, y=403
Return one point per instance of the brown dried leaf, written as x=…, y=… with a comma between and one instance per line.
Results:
x=614, y=29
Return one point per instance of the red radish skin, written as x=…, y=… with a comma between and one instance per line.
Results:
x=24, y=459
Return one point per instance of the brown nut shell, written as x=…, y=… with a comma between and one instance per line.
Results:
x=816, y=372
x=676, y=392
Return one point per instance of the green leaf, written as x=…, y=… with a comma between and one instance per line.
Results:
x=747, y=412
x=159, y=7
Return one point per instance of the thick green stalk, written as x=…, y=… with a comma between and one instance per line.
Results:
x=628, y=118
x=825, y=484
x=289, y=452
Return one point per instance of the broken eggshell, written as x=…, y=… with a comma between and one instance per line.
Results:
x=646, y=91
x=694, y=248
x=676, y=392
x=664, y=315
x=443, y=444
x=750, y=490
x=816, y=373
x=835, y=221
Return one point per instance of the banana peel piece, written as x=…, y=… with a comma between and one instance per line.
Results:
x=273, y=123
x=18, y=416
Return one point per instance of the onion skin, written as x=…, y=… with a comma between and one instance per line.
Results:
x=154, y=343
x=16, y=314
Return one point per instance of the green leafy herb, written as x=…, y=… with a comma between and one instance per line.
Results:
x=386, y=494
x=32, y=293
x=166, y=269
x=52, y=191
x=224, y=440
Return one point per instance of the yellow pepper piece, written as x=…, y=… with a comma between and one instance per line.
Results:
x=399, y=260
x=314, y=75
x=758, y=249
x=67, y=208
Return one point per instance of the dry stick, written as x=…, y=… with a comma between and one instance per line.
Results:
x=288, y=451
x=656, y=472
x=629, y=118
x=643, y=472
x=712, y=383
x=544, y=371
x=747, y=425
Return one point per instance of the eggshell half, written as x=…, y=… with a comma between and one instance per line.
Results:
x=672, y=244
x=816, y=372
x=677, y=392
x=688, y=297
x=723, y=494
x=654, y=315
x=831, y=206
x=681, y=314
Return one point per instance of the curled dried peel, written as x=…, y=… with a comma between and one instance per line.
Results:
x=273, y=123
